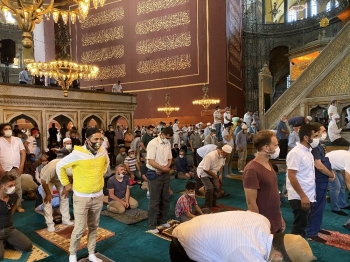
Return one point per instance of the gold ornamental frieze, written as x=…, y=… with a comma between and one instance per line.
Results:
x=148, y=6
x=172, y=63
x=102, y=36
x=102, y=54
x=104, y=17
x=169, y=42
x=163, y=23
x=114, y=71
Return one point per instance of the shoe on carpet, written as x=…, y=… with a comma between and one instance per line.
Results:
x=51, y=228
x=340, y=213
x=348, y=208
x=240, y=171
x=153, y=231
x=72, y=258
x=68, y=222
x=167, y=225
x=317, y=239
x=324, y=232
x=347, y=226
x=93, y=258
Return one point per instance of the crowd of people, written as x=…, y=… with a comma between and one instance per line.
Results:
x=86, y=164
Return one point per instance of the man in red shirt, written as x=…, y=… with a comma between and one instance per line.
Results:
x=260, y=181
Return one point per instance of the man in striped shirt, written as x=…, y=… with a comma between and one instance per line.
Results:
x=131, y=165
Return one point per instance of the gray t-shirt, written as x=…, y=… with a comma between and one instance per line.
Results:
x=119, y=187
x=280, y=134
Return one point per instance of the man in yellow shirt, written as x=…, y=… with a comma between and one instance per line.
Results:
x=89, y=164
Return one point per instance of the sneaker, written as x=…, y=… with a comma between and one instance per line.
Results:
x=68, y=222
x=72, y=258
x=340, y=213
x=153, y=231
x=93, y=258
x=51, y=228
x=167, y=225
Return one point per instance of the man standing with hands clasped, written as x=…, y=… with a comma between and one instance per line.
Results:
x=301, y=184
x=159, y=158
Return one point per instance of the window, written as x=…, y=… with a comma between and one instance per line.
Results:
x=313, y=7
x=288, y=81
x=305, y=11
x=292, y=16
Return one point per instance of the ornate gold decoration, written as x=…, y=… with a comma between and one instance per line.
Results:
x=172, y=63
x=163, y=43
x=298, y=69
x=148, y=6
x=30, y=12
x=102, y=54
x=162, y=23
x=114, y=71
x=324, y=22
x=102, y=36
x=205, y=101
x=295, y=112
x=103, y=17
x=167, y=109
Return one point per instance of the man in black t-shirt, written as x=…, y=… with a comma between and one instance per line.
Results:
x=112, y=139
x=9, y=235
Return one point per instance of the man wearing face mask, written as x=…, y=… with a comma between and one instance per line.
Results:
x=260, y=181
x=293, y=139
x=159, y=159
x=211, y=139
x=334, y=132
x=121, y=156
x=89, y=164
x=119, y=198
x=301, y=183
x=282, y=136
x=12, y=158
x=8, y=233
x=208, y=170
x=299, y=120
x=217, y=122
x=31, y=142
x=195, y=143
x=146, y=138
x=332, y=109
x=241, y=145
x=323, y=175
x=182, y=168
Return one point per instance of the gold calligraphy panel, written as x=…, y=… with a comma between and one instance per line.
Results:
x=172, y=63
x=102, y=54
x=114, y=71
x=163, y=23
x=102, y=36
x=148, y=6
x=163, y=43
x=104, y=17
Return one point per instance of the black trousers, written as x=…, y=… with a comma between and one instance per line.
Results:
x=195, y=160
x=283, y=144
x=341, y=142
x=177, y=252
x=301, y=217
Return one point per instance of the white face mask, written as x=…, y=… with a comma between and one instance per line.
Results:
x=285, y=120
x=191, y=194
x=181, y=156
x=324, y=136
x=132, y=155
x=121, y=175
x=315, y=142
x=8, y=133
x=10, y=190
x=68, y=147
x=275, y=154
x=165, y=141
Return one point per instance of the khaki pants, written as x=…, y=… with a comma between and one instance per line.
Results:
x=117, y=207
x=87, y=210
x=242, y=157
x=14, y=172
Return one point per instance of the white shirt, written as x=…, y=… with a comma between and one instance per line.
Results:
x=332, y=110
x=211, y=162
x=232, y=236
x=175, y=127
x=225, y=133
x=301, y=160
x=217, y=117
x=158, y=151
x=23, y=76
x=10, y=155
x=340, y=160
x=248, y=119
x=204, y=150
x=227, y=115
x=32, y=145
x=333, y=131
x=117, y=88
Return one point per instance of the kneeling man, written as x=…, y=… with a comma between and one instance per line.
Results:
x=119, y=197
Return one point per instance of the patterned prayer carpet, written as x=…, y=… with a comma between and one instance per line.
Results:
x=129, y=217
x=336, y=239
x=61, y=237
x=100, y=256
x=166, y=233
x=36, y=254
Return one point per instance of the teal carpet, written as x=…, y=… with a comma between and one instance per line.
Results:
x=131, y=243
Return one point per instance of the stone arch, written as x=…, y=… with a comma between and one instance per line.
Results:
x=60, y=118
x=118, y=117
x=97, y=118
x=28, y=117
x=319, y=109
x=344, y=112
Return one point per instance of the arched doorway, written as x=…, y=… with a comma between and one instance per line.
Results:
x=60, y=120
x=120, y=120
x=279, y=67
x=24, y=122
x=93, y=121
x=319, y=114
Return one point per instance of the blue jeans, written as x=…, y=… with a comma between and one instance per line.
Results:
x=317, y=209
x=218, y=131
x=337, y=192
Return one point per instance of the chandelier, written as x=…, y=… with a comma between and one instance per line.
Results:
x=167, y=109
x=274, y=10
x=63, y=70
x=30, y=12
x=297, y=8
x=206, y=102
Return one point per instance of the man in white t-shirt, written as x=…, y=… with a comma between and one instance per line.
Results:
x=332, y=109
x=301, y=183
x=217, y=122
x=248, y=118
x=117, y=88
x=207, y=171
x=227, y=116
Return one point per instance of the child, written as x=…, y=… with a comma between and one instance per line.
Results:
x=185, y=202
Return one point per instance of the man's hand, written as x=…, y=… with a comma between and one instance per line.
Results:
x=66, y=190
x=283, y=225
x=48, y=198
x=305, y=203
x=166, y=169
x=125, y=204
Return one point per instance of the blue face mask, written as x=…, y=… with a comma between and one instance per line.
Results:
x=32, y=159
x=23, y=140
